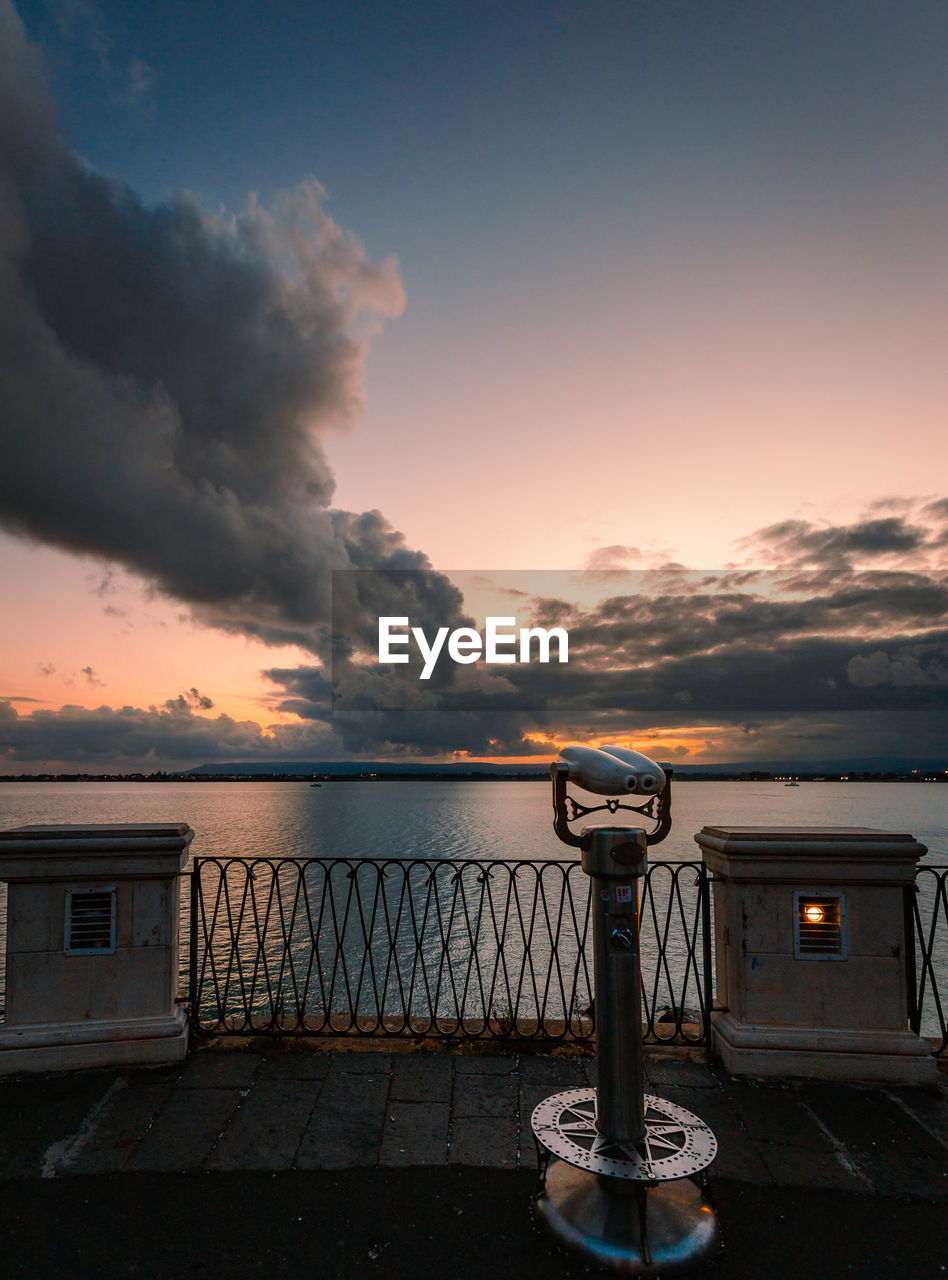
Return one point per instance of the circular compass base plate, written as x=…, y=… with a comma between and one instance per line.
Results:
x=660, y=1231
x=677, y=1143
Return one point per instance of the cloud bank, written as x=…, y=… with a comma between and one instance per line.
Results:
x=815, y=664
x=169, y=377
x=170, y=374
x=811, y=662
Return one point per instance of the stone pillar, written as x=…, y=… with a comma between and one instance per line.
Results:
x=809, y=949
x=92, y=945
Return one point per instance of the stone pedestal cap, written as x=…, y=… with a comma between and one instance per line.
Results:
x=72, y=851
x=792, y=854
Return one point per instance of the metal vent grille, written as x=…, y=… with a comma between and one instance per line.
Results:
x=90, y=921
x=818, y=926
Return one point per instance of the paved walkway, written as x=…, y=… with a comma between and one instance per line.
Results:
x=302, y=1108
x=247, y=1164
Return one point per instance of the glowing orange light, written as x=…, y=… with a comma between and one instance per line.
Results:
x=813, y=913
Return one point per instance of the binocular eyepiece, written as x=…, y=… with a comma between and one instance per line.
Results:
x=612, y=770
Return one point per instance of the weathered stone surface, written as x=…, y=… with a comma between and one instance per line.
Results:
x=906, y=1176
x=66, y=1010
x=369, y=1062
x=186, y=1130
x=484, y=1140
x=771, y=1113
x=870, y=1123
x=787, y=1013
x=739, y=1162
x=531, y=1095
x=126, y=1117
x=341, y=1147
x=494, y=1095
x=303, y=1064
x=220, y=1070
x=310, y=1110
x=793, y=1166
x=564, y=1073
x=737, y=1156
x=422, y=1077
x=36, y=1112
x=483, y=1064
x=691, y=1075
x=268, y=1126
x=930, y=1109
x=351, y=1093
x=415, y=1133
x=345, y=1128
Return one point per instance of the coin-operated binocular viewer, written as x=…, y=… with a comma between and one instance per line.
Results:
x=615, y=1162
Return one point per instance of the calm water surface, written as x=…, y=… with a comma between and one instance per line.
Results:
x=454, y=819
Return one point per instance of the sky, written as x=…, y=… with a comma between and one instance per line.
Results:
x=430, y=296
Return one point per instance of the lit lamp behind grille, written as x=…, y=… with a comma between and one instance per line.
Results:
x=819, y=920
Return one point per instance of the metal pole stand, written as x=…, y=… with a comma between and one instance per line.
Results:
x=615, y=1163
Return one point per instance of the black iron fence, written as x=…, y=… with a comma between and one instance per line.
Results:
x=926, y=928
x=410, y=947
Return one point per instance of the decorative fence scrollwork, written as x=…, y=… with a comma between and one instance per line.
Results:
x=441, y=947
x=926, y=928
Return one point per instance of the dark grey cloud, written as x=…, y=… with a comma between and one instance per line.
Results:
x=784, y=677
x=307, y=691
x=882, y=536
x=772, y=607
x=105, y=738
x=812, y=657
x=909, y=532
x=375, y=710
x=937, y=513
x=190, y=700
x=169, y=375
x=823, y=663
x=171, y=736
x=909, y=666
x=385, y=579
x=820, y=693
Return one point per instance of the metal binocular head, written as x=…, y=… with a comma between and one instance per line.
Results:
x=612, y=771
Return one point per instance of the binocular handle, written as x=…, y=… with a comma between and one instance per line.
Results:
x=561, y=774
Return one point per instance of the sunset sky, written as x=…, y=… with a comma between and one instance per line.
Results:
x=466, y=290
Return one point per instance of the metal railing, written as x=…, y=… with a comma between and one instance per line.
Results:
x=440, y=947
x=926, y=931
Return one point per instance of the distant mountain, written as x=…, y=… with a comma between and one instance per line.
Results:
x=387, y=768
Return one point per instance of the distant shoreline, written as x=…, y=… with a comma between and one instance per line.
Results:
x=478, y=776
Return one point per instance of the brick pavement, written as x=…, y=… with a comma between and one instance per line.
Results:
x=309, y=1108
